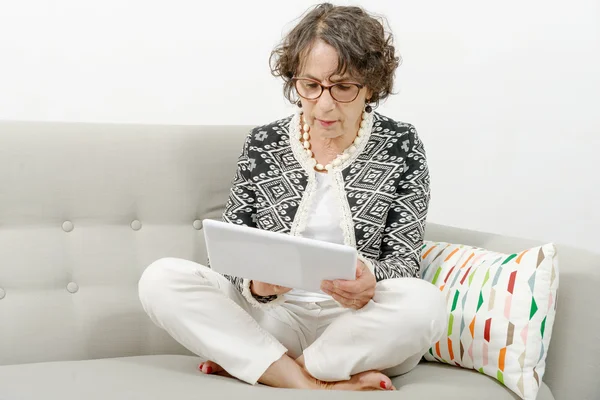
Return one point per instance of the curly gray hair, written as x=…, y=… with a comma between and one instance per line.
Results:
x=364, y=48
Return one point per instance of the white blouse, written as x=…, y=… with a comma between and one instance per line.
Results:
x=323, y=223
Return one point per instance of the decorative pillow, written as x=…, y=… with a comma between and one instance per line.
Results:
x=501, y=310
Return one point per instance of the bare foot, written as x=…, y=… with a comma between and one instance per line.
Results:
x=365, y=381
x=210, y=367
x=369, y=380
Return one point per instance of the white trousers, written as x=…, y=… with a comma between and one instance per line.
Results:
x=206, y=314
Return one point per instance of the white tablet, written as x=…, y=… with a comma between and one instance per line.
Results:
x=276, y=258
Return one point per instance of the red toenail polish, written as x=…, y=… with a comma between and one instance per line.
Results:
x=209, y=370
x=382, y=384
x=200, y=367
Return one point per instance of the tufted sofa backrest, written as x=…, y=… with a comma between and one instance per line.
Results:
x=84, y=208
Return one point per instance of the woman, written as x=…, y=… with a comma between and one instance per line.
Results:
x=334, y=171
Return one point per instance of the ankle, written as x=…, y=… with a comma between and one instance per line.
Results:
x=310, y=382
x=286, y=373
x=300, y=361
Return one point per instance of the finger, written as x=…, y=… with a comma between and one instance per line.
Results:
x=346, y=303
x=331, y=289
x=353, y=287
x=341, y=298
x=279, y=289
x=358, y=304
x=359, y=270
x=360, y=298
x=283, y=289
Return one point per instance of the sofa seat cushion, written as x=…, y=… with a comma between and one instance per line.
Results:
x=171, y=376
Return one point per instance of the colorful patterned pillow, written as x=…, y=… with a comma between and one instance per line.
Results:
x=501, y=310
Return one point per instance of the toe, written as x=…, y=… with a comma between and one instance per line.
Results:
x=210, y=367
x=379, y=381
x=386, y=383
x=374, y=380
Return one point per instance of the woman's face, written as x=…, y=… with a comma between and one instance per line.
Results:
x=326, y=117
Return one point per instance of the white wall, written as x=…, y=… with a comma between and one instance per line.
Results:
x=506, y=95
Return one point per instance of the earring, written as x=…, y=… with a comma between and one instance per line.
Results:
x=368, y=108
x=299, y=104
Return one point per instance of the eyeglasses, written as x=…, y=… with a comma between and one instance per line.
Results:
x=343, y=92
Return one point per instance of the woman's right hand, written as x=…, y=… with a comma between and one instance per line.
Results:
x=266, y=289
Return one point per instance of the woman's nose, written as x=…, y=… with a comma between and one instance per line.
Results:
x=326, y=102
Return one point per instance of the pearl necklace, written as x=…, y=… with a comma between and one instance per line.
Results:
x=305, y=137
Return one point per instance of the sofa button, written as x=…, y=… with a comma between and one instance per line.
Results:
x=136, y=225
x=67, y=226
x=197, y=224
x=72, y=287
x=2, y=293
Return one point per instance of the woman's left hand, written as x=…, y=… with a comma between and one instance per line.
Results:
x=353, y=294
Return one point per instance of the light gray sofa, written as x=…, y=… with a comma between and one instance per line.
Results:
x=84, y=208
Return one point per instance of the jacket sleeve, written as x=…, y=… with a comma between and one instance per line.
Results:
x=405, y=224
x=240, y=209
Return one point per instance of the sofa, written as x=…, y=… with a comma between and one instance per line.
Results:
x=84, y=208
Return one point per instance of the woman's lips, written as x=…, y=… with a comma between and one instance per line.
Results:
x=325, y=123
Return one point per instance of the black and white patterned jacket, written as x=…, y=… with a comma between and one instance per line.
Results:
x=383, y=193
